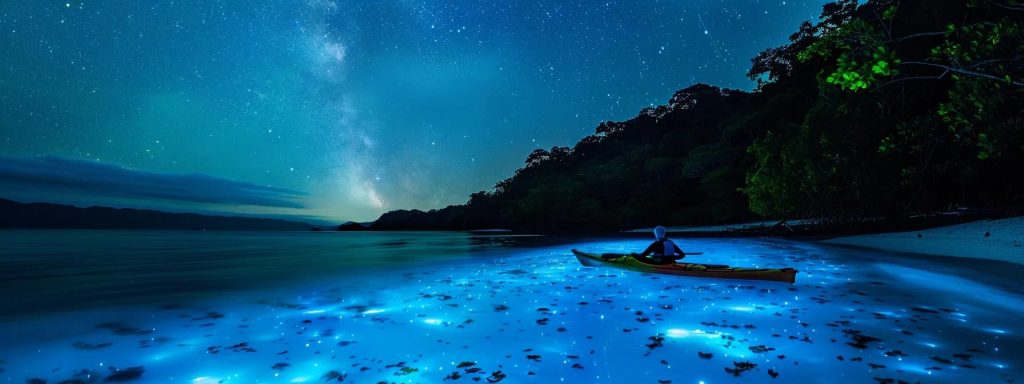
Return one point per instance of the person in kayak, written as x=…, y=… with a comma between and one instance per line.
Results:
x=662, y=250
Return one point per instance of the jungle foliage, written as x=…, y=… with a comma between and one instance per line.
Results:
x=878, y=110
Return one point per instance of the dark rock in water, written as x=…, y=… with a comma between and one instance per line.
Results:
x=242, y=347
x=889, y=380
x=923, y=310
x=121, y=329
x=406, y=371
x=334, y=375
x=895, y=352
x=859, y=341
x=209, y=316
x=89, y=347
x=705, y=355
x=739, y=367
x=496, y=377
x=126, y=374
x=453, y=376
x=656, y=341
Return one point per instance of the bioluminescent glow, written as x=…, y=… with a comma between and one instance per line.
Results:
x=532, y=315
x=679, y=333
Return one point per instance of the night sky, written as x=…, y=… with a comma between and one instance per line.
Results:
x=338, y=110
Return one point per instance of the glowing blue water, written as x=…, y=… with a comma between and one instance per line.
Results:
x=533, y=314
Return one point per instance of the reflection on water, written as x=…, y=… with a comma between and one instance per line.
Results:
x=535, y=315
x=61, y=270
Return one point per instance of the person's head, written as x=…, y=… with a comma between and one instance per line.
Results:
x=659, y=232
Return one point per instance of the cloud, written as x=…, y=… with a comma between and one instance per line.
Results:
x=48, y=176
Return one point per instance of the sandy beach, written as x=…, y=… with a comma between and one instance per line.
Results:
x=1001, y=239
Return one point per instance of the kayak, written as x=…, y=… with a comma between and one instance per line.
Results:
x=625, y=261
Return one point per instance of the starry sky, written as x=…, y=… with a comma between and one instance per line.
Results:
x=338, y=110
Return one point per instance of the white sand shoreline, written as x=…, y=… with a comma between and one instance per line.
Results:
x=1001, y=239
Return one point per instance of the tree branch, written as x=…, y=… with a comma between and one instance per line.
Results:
x=1010, y=7
x=939, y=77
x=962, y=71
x=922, y=34
x=991, y=61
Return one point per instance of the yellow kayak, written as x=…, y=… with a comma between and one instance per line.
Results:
x=624, y=261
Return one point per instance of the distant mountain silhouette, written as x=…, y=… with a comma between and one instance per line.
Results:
x=353, y=226
x=55, y=216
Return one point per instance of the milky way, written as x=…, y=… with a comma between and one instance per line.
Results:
x=362, y=106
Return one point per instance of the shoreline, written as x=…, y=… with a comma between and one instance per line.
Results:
x=996, y=239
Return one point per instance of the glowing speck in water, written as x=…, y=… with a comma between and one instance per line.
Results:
x=678, y=332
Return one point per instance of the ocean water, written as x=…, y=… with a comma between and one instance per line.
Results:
x=216, y=307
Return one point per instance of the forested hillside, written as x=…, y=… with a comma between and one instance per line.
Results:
x=883, y=109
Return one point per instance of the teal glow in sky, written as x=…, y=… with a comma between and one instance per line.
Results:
x=351, y=108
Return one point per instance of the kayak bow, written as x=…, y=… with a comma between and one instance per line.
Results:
x=624, y=261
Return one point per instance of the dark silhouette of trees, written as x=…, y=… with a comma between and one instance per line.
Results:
x=878, y=110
